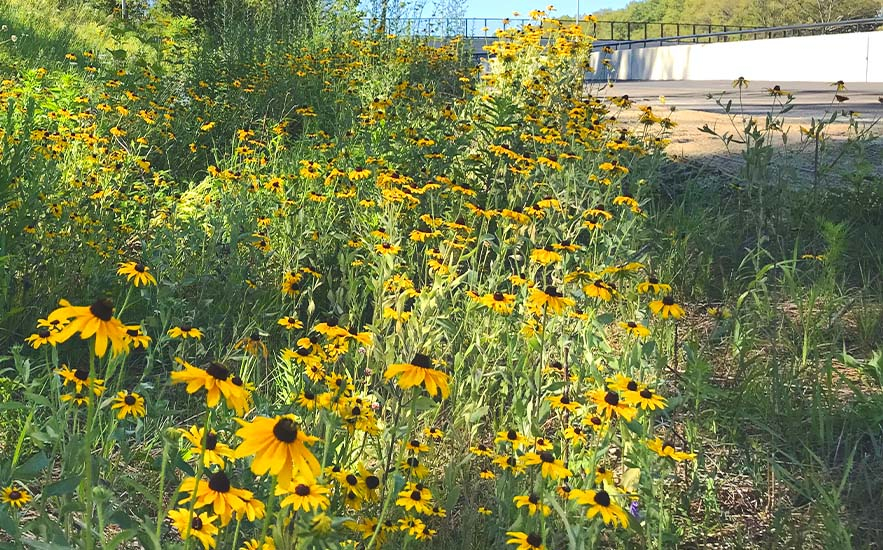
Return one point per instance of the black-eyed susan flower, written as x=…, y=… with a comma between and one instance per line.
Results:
x=217, y=492
x=666, y=448
x=533, y=503
x=136, y=337
x=41, y=337
x=387, y=249
x=599, y=289
x=199, y=526
x=645, y=398
x=548, y=301
x=290, y=323
x=513, y=437
x=550, y=467
x=600, y=503
x=610, y=405
x=217, y=381
x=311, y=400
x=417, y=497
x=667, y=307
x=80, y=379
x=563, y=401
x=602, y=476
x=304, y=494
x=482, y=450
x=433, y=433
x=524, y=541
x=254, y=509
x=652, y=285
x=129, y=404
x=484, y=511
x=499, y=302
x=253, y=344
x=545, y=256
x=213, y=452
x=575, y=435
x=279, y=446
x=634, y=329
x=137, y=273
x=487, y=473
x=14, y=496
x=419, y=371
x=79, y=399
x=184, y=331
x=509, y=463
x=253, y=544
x=95, y=320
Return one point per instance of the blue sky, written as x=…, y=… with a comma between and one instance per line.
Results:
x=504, y=8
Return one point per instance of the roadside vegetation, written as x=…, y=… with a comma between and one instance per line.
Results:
x=271, y=277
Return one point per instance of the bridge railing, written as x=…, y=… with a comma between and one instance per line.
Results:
x=486, y=27
x=754, y=33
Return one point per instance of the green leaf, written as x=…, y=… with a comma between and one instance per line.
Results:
x=62, y=487
x=477, y=414
x=120, y=538
x=8, y=524
x=37, y=399
x=32, y=467
x=635, y=427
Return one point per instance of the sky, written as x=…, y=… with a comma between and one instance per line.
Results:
x=504, y=8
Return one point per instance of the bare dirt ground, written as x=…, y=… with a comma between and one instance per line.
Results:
x=688, y=105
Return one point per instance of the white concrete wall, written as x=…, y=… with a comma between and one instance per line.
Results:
x=856, y=57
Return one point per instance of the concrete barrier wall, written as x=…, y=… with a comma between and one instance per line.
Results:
x=856, y=57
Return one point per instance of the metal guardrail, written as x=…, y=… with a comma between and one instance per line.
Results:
x=809, y=29
x=486, y=27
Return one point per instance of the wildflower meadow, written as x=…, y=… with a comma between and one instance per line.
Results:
x=282, y=277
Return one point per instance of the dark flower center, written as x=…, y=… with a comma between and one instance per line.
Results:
x=553, y=292
x=303, y=352
x=668, y=301
x=285, y=430
x=595, y=420
x=498, y=297
x=308, y=395
x=81, y=374
x=372, y=482
x=356, y=411
x=646, y=394
x=612, y=398
x=211, y=441
x=632, y=324
x=140, y=268
x=602, y=498
x=546, y=456
x=301, y=490
x=422, y=361
x=632, y=385
x=511, y=462
x=352, y=480
x=481, y=447
x=102, y=308
x=533, y=499
x=577, y=431
x=133, y=332
x=653, y=280
x=602, y=470
x=129, y=400
x=415, y=443
x=186, y=327
x=415, y=495
x=43, y=333
x=668, y=445
x=219, y=482
x=565, y=400
x=236, y=381
x=196, y=524
x=218, y=371
x=14, y=495
x=557, y=365
x=413, y=462
x=534, y=540
x=511, y=435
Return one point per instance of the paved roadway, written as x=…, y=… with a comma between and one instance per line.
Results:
x=811, y=99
